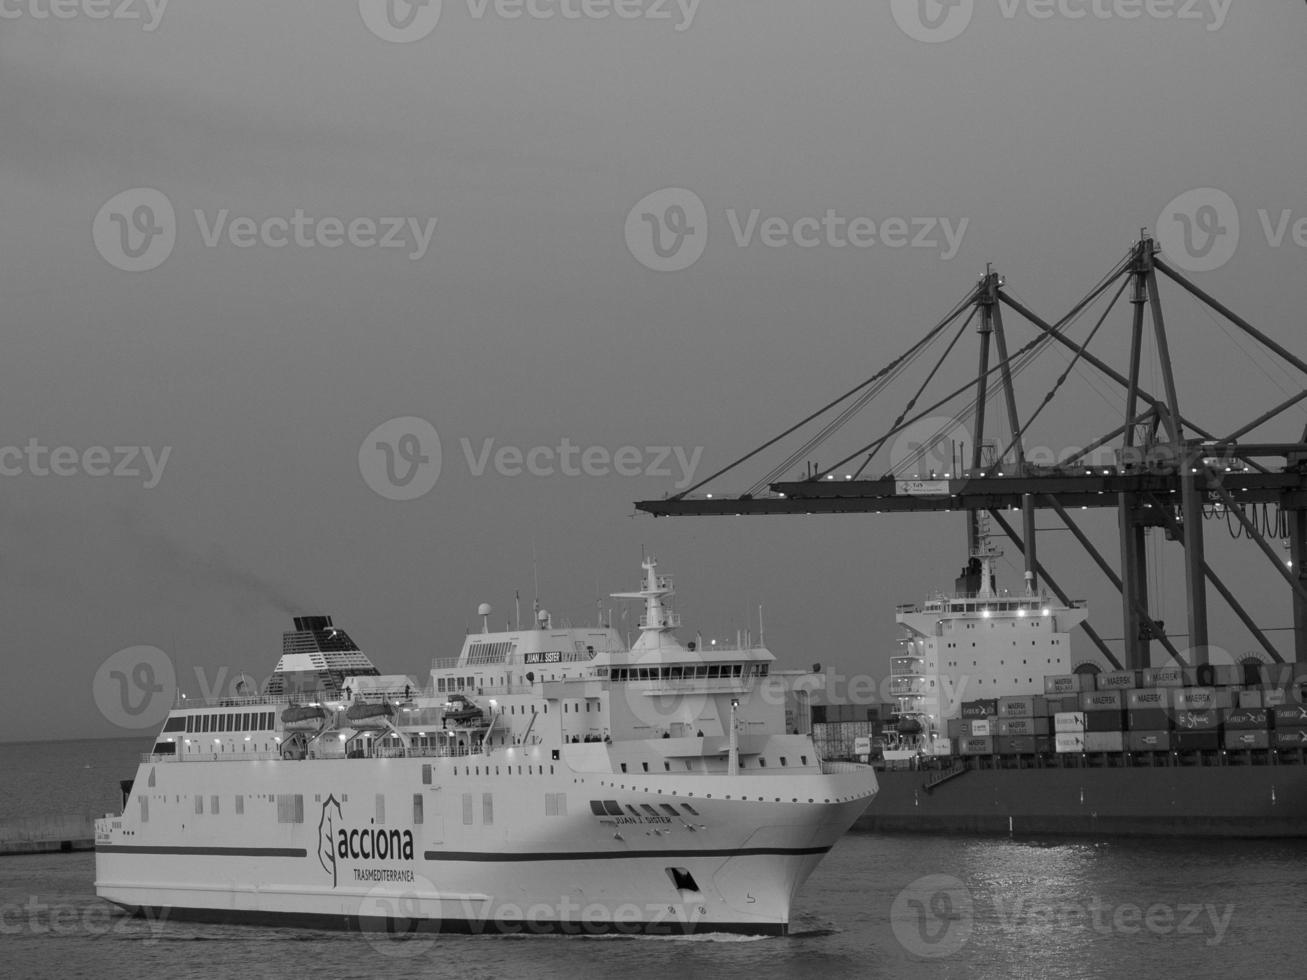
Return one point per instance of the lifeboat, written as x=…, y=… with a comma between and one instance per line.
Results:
x=909, y=726
x=370, y=714
x=304, y=718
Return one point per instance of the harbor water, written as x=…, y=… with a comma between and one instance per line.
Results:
x=879, y=906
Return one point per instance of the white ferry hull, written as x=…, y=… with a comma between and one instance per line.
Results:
x=533, y=867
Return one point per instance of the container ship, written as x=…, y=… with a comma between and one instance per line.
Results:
x=996, y=732
x=545, y=780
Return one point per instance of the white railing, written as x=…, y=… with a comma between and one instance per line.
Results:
x=831, y=768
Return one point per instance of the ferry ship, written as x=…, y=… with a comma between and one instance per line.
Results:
x=547, y=780
x=998, y=729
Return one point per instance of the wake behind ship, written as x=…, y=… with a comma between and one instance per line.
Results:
x=548, y=780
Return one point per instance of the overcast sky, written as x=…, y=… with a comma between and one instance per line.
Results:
x=197, y=259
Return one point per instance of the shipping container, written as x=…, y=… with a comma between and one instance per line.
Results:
x=1197, y=721
x=975, y=746
x=1291, y=716
x=1148, y=697
x=979, y=709
x=1247, y=719
x=1116, y=680
x=1023, y=706
x=1247, y=739
x=978, y=728
x=1101, y=701
x=1043, y=744
x=1023, y=726
x=1228, y=675
x=1055, y=684
x=1069, y=742
x=1104, y=721
x=1148, y=741
x=1163, y=677
x=1016, y=745
x=1202, y=698
x=1203, y=675
x=955, y=728
x=1068, y=721
x=1207, y=741
x=1104, y=741
x=1251, y=699
x=1273, y=697
x=1148, y=719
x=1290, y=738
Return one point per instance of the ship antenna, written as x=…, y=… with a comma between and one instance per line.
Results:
x=517, y=603
x=761, y=635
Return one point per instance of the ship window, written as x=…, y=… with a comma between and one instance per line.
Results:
x=632, y=810
x=762, y=763
x=783, y=761
x=737, y=670
x=669, y=809
x=240, y=804
x=199, y=804
x=612, y=808
x=467, y=809
x=426, y=775
x=213, y=804
x=646, y=766
x=689, y=809
x=597, y=808
x=623, y=767
x=803, y=760
x=290, y=808
x=177, y=723
x=417, y=808
x=487, y=808
x=714, y=671
x=648, y=809
x=245, y=722
x=190, y=723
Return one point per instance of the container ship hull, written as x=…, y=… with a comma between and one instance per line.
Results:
x=1162, y=801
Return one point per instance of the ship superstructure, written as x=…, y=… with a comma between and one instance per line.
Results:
x=546, y=779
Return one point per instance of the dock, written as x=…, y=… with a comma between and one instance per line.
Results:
x=47, y=834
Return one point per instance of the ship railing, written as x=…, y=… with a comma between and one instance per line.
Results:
x=182, y=701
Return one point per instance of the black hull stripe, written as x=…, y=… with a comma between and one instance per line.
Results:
x=616, y=855
x=400, y=929
x=279, y=852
